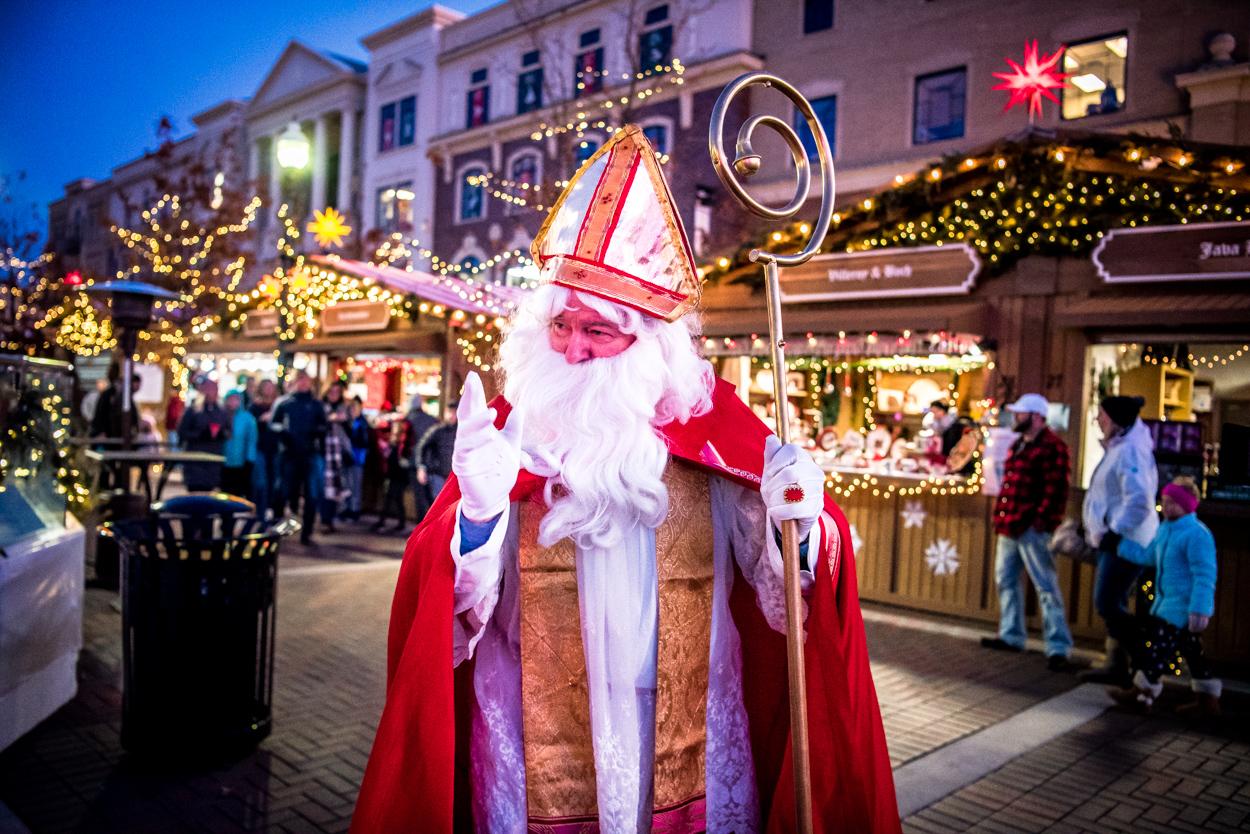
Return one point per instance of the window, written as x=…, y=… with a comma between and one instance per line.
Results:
x=586, y=148
x=1096, y=70
x=524, y=174
x=826, y=110
x=657, y=135
x=588, y=68
x=397, y=125
x=395, y=208
x=530, y=58
x=817, y=15
x=655, y=44
x=472, y=205
x=386, y=128
x=408, y=120
x=477, y=101
x=529, y=90
x=939, y=106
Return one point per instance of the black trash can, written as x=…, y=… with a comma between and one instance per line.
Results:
x=199, y=576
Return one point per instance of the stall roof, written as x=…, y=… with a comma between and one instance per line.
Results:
x=454, y=292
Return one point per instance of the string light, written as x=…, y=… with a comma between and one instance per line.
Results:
x=1041, y=198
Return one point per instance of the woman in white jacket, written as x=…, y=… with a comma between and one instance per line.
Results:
x=1120, y=504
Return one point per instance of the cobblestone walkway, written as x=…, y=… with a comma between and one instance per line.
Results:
x=1118, y=772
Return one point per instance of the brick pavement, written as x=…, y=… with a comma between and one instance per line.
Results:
x=70, y=774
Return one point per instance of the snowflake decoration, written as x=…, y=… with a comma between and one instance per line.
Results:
x=914, y=514
x=856, y=540
x=1030, y=82
x=329, y=227
x=942, y=558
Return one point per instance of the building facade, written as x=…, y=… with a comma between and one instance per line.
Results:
x=460, y=130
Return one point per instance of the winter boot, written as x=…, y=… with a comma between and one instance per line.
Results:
x=1113, y=670
x=1140, y=696
x=1207, y=701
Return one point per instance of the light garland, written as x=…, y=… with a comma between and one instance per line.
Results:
x=1201, y=360
x=1024, y=198
x=302, y=292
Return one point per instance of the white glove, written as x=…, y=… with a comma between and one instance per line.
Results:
x=486, y=460
x=792, y=486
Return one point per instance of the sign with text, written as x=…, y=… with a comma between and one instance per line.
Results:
x=355, y=317
x=260, y=323
x=1192, y=252
x=898, y=271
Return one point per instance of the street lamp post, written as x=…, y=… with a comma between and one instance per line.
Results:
x=293, y=152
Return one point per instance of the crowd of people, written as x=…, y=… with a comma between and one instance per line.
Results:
x=308, y=453
x=1120, y=531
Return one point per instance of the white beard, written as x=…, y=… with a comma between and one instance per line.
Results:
x=591, y=427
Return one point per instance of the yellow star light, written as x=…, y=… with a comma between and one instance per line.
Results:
x=328, y=227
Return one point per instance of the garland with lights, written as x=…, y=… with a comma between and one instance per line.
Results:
x=591, y=113
x=301, y=292
x=1054, y=197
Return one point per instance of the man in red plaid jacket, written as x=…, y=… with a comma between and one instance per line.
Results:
x=1030, y=506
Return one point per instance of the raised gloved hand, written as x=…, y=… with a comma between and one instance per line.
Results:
x=486, y=460
x=792, y=486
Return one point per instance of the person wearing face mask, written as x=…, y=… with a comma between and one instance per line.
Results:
x=1030, y=506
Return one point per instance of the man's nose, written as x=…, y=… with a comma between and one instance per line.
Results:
x=577, y=350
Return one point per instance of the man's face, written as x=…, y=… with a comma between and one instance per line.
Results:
x=267, y=391
x=209, y=390
x=581, y=334
x=1025, y=422
x=303, y=383
x=233, y=402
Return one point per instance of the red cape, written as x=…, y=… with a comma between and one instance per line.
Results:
x=417, y=778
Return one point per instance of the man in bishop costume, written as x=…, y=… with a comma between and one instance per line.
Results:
x=588, y=632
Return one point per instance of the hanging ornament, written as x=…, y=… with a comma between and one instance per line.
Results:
x=1030, y=82
x=329, y=227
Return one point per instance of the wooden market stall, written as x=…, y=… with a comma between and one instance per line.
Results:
x=1075, y=271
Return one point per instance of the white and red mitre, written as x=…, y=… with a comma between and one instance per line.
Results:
x=614, y=233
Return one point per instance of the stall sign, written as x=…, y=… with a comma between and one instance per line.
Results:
x=1194, y=251
x=260, y=323
x=898, y=271
x=355, y=317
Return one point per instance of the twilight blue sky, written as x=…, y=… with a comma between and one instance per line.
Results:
x=83, y=84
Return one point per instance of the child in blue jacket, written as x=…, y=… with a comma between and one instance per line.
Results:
x=1182, y=553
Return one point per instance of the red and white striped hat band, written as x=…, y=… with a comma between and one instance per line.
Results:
x=615, y=233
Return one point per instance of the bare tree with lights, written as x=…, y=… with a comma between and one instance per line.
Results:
x=195, y=240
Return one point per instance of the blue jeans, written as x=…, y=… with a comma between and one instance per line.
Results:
x=304, y=472
x=267, y=483
x=353, y=478
x=1114, y=581
x=1030, y=550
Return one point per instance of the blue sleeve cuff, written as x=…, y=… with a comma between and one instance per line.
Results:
x=802, y=548
x=474, y=534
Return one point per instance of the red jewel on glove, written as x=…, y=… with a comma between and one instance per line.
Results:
x=794, y=494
